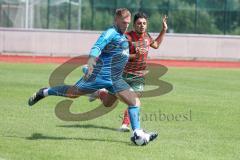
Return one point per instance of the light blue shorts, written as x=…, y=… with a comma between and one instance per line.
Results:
x=93, y=84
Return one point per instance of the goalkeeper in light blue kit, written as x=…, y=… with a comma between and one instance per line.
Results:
x=106, y=63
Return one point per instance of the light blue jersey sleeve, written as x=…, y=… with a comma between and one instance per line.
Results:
x=102, y=41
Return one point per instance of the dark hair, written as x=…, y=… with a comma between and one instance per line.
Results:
x=139, y=15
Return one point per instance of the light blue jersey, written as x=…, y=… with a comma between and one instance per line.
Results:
x=112, y=46
x=112, y=52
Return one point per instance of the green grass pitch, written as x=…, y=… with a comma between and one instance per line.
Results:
x=208, y=101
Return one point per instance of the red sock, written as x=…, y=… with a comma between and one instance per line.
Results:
x=126, y=119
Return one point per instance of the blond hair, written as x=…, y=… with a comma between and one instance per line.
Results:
x=122, y=13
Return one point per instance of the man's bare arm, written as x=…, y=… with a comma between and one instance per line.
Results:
x=157, y=42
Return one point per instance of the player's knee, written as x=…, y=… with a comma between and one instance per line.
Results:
x=139, y=94
x=138, y=103
x=72, y=95
x=135, y=102
x=73, y=92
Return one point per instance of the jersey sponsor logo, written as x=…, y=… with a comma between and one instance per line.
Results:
x=125, y=52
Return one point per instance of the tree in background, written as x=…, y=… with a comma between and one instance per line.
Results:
x=185, y=16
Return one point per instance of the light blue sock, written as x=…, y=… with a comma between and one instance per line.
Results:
x=58, y=90
x=134, y=112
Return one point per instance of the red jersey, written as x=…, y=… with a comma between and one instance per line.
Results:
x=139, y=47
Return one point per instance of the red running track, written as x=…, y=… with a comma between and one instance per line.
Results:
x=168, y=63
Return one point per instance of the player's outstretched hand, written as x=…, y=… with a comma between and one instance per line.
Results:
x=164, y=23
x=91, y=64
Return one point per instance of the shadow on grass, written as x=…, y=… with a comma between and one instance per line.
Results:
x=39, y=136
x=88, y=126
